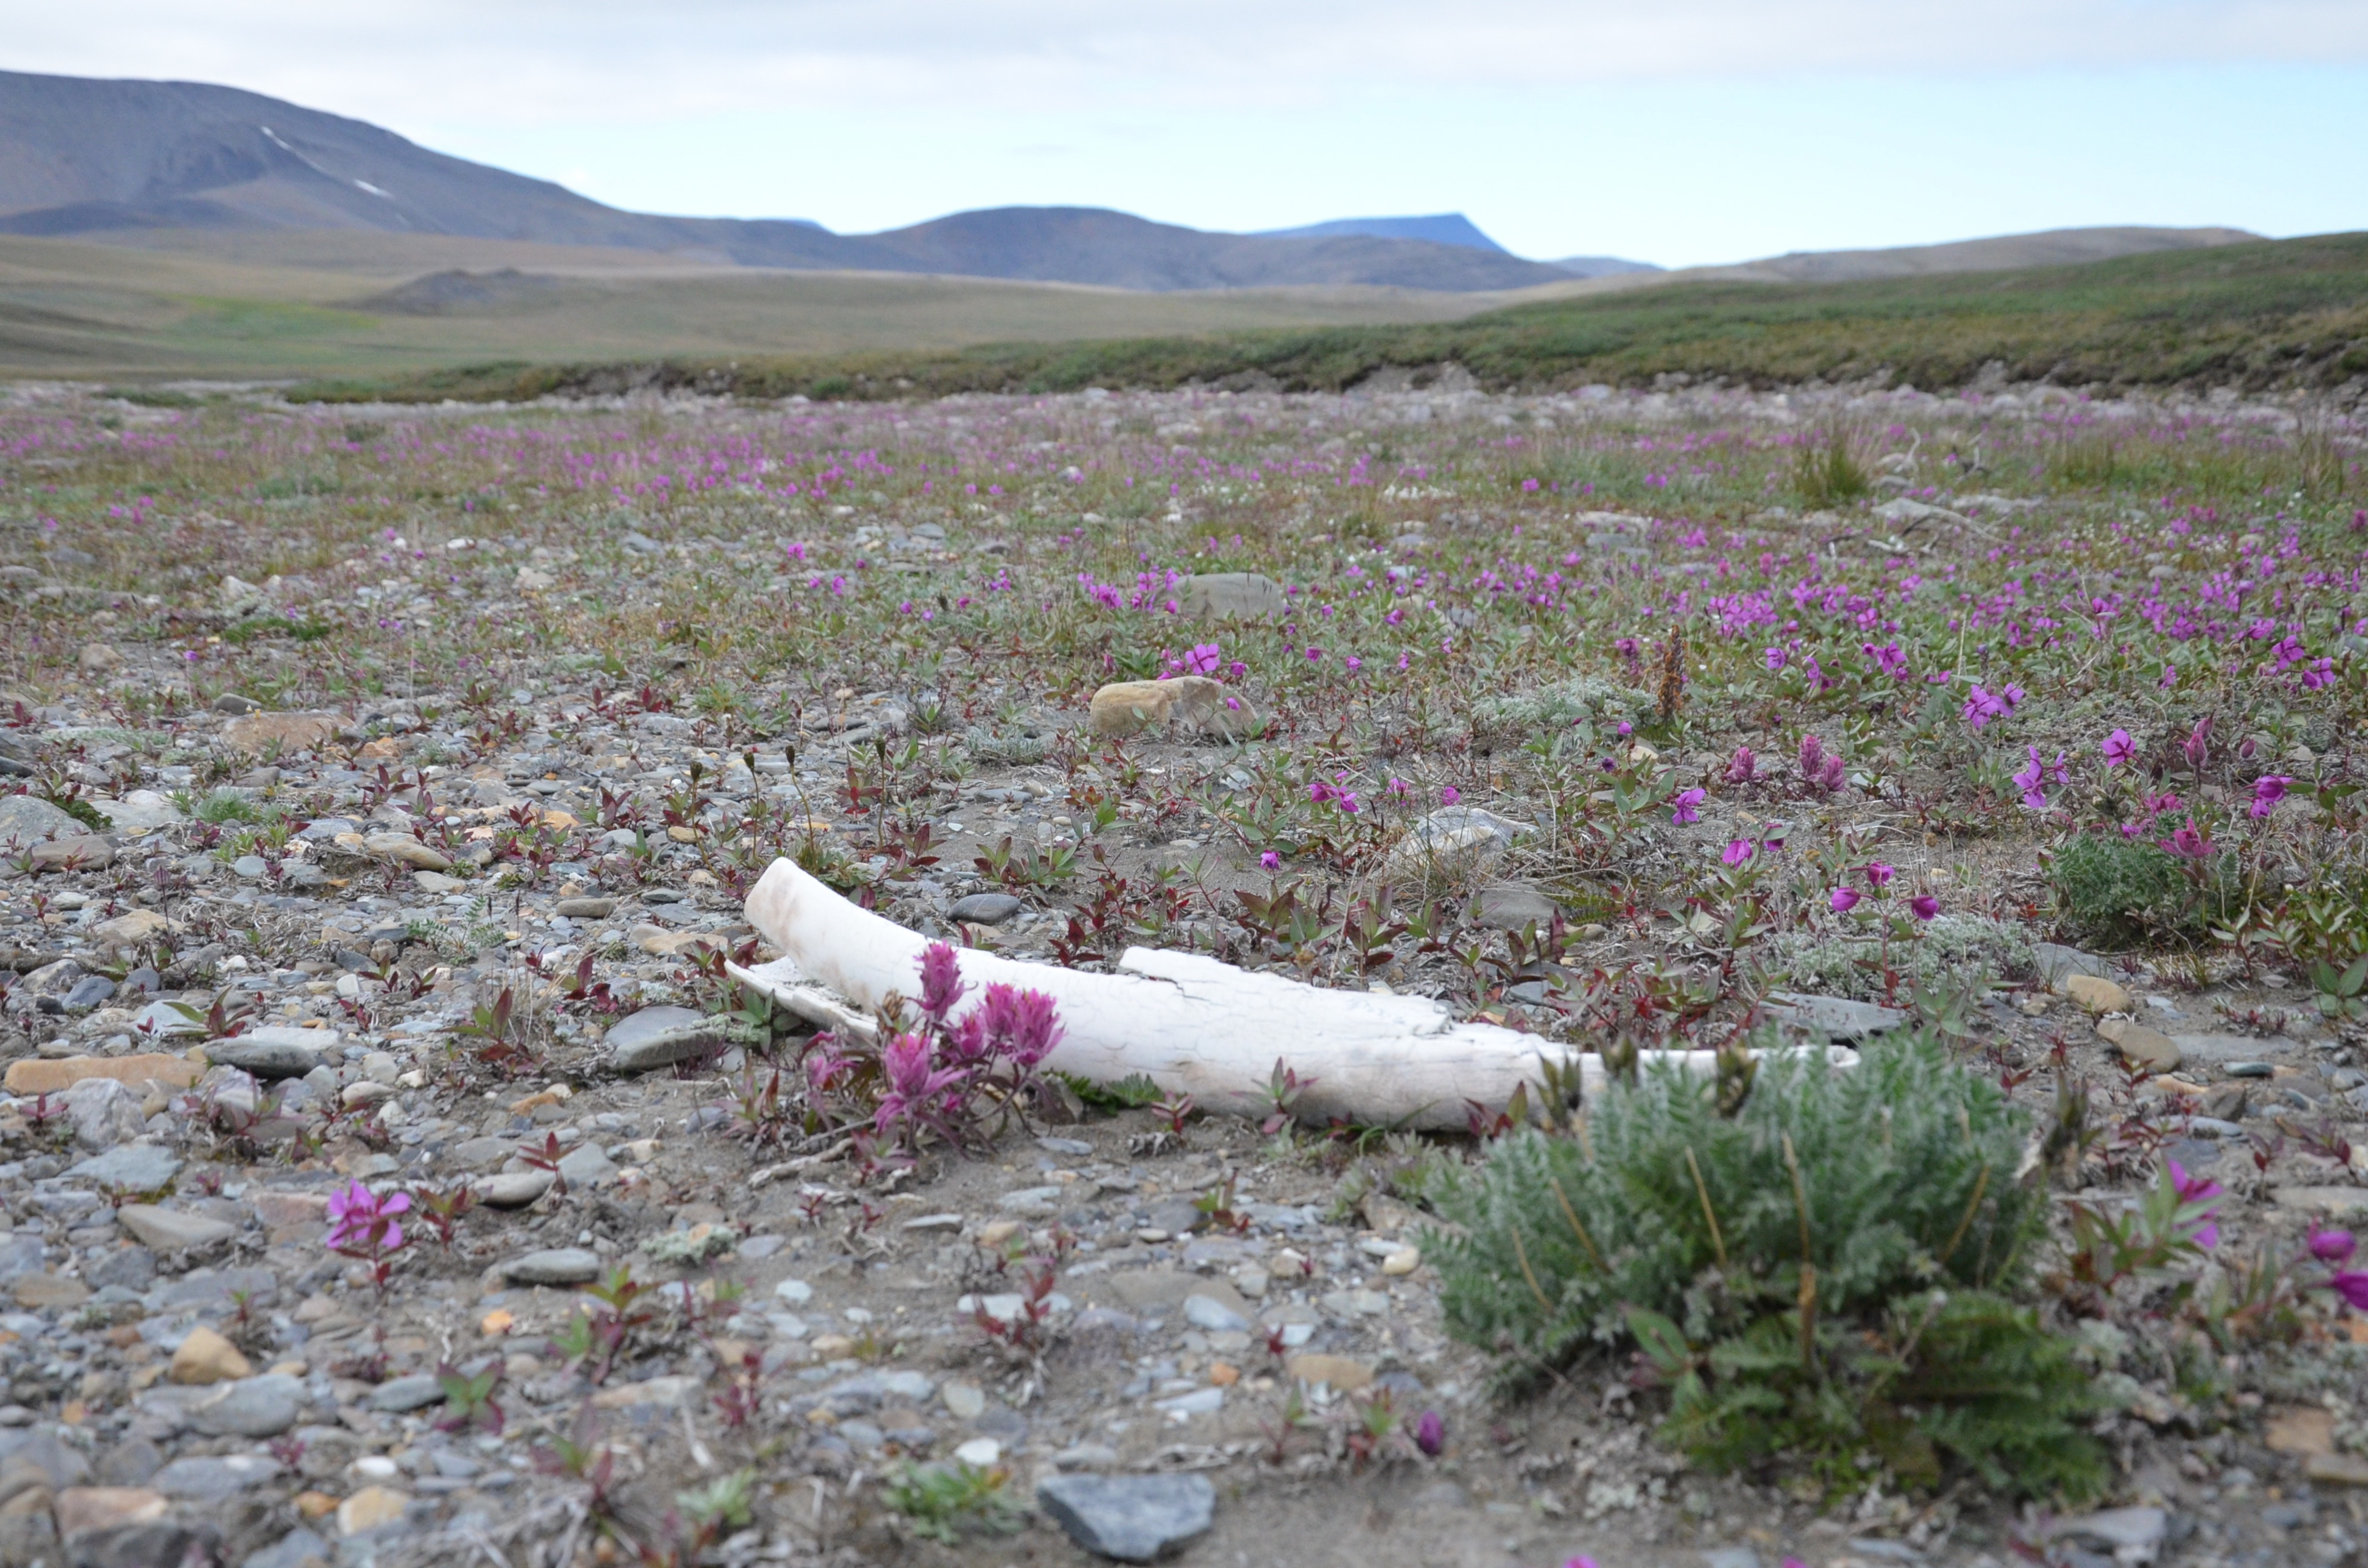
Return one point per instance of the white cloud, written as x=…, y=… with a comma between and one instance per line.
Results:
x=530, y=62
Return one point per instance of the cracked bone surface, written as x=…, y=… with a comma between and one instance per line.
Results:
x=1190, y=1023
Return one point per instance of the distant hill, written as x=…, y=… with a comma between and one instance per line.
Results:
x=2050, y=247
x=1600, y=265
x=81, y=157
x=1442, y=228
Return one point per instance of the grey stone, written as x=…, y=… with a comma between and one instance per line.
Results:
x=159, y=1020
x=28, y=818
x=1730, y=1557
x=515, y=1189
x=1836, y=1017
x=251, y=866
x=104, y=1113
x=585, y=908
x=1509, y=906
x=2114, y=1530
x=251, y=1407
x=1031, y=1202
x=171, y=1229
x=300, y=1548
x=1228, y=594
x=553, y=1266
x=2231, y=1047
x=986, y=908
x=130, y=1464
x=131, y=1269
x=159, y=1542
x=88, y=992
x=1208, y=1313
x=1134, y=1518
x=136, y=1167
x=416, y=1392
x=204, y=1480
x=2058, y=963
x=19, y=1255
x=273, y=1053
x=660, y=1037
x=587, y=1164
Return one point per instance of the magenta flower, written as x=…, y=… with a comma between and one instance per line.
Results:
x=1775, y=657
x=2351, y=1284
x=1270, y=861
x=2268, y=791
x=941, y=980
x=2197, y=746
x=2120, y=750
x=1431, y=1433
x=1878, y=875
x=2331, y=1246
x=1742, y=767
x=1449, y=794
x=1737, y=851
x=1202, y=659
x=1813, y=757
x=1845, y=900
x=2196, y=1189
x=2187, y=843
x=1021, y=1024
x=361, y=1223
x=1686, y=802
x=1924, y=906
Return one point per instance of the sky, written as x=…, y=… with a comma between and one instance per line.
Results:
x=1677, y=132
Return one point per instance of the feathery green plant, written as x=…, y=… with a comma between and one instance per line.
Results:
x=1825, y=1272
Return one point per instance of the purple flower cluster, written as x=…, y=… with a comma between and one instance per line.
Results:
x=937, y=1077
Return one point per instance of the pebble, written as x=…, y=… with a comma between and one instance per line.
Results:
x=2148, y=1047
x=2095, y=995
x=985, y=908
x=963, y=1402
x=515, y=1189
x=403, y=1394
x=214, y=1479
x=1208, y=1313
x=1343, y=1374
x=170, y=1230
x=251, y=1407
x=370, y=1508
x=553, y=1266
x=132, y=1167
x=273, y=1053
x=205, y=1357
x=1133, y=1518
x=660, y=1037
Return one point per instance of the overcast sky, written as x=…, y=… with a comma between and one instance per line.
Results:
x=1673, y=130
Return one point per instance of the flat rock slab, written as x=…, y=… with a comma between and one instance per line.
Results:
x=213, y=1479
x=515, y=1189
x=2148, y=1048
x=85, y=852
x=1134, y=1518
x=1836, y=1017
x=660, y=1037
x=136, y=1167
x=169, y=1230
x=251, y=1407
x=28, y=818
x=399, y=1395
x=274, y=1053
x=554, y=1266
x=2230, y=1048
x=32, y=1076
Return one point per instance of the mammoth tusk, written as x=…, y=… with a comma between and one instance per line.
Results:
x=1190, y=1023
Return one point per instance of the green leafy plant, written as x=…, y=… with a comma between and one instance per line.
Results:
x=940, y=1502
x=2113, y=893
x=1807, y=1257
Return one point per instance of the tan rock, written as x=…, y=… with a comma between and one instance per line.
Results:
x=83, y=852
x=315, y=1505
x=2097, y=995
x=258, y=733
x=1406, y=1260
x=2341, y=1470
x=405, y=851
x=291, y=1216
x=31, y=1075
x=1344, y=1374
x=82, y=1509
x=206, y=1357
x=130, y=930
x=1130, y=707
x=98, y=658
x=370, y=1508
x=2148, y=1048
x=2300, y=1429
x=38, y=1291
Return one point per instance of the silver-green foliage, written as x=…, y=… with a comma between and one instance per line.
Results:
x=1551, y=711
x=1905, y=1167
x=1955, y=949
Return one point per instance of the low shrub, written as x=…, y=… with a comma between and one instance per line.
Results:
x=2115, y=893
x=1958, y=949
x=1828, y=1271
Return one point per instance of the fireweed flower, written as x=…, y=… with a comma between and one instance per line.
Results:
x=1686, y=802
x=2120, y=750
x=1737, y=851
x=2197, y=746
x=2197, y=1189
x=1270, y=861
x=1924, y=906
x=1202, y=659
x=1431, y=1433
x=1878, y=875
x=1449, y=794
x=359, y=1219
x=2187, y=843
x=1845, y=900
x=2331, y=1246
x=2268, y=791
